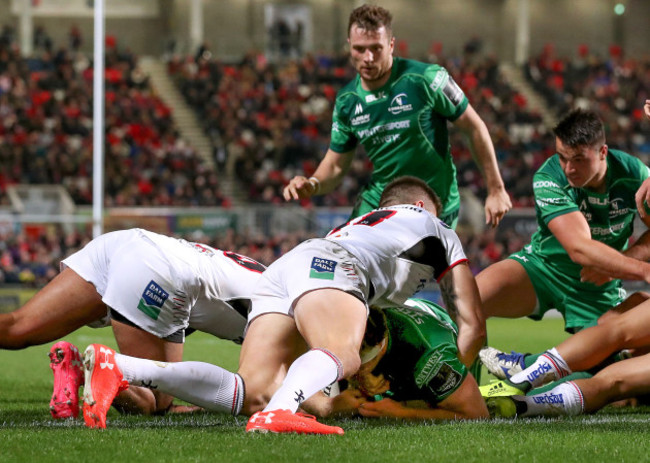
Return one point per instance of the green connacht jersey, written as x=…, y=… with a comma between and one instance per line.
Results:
x=610, y=215
x=421, y=361
x=403, y=128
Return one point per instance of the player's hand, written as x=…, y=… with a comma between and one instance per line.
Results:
x=348, y=401
x=646, y=108
x=642, y=197
x=384, y=408
x=496, y=205
x=591, y=275
x=299, y=188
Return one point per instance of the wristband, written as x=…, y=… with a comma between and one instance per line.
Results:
x=316, y=183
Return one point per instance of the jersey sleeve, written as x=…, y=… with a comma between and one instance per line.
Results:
x=445, y=96
x=342, y=139
x=551, y=200
x=453, y=247
x=438, y=373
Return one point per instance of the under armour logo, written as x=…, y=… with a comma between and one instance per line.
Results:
x=106, y=364
x=300, y=396
x=267, y=416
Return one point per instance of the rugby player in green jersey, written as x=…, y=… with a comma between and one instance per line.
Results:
x=410, y=370
x=585, y=205
x=398, y=110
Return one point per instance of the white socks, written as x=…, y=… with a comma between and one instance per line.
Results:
x=199, y=383
x=565, y=399
x=548, y=367
x=307, y=375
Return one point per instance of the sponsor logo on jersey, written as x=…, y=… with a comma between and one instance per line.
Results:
x=372, y=98
x=543, y=202
x=429, y=370
x=400, y=104
x=602, y=231
x=384, y=128
x=323, y=269
x=453, y=92
x=617, y=207
x=335, y=127
x=438, y=80
x=363, y=119
x=545, y=184
x=549, y=398
x=358, y=109
x=152, y=300
x=446, y=380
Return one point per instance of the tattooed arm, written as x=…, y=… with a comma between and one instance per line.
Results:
x=462, y=301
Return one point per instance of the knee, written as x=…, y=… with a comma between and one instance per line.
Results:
x=13, y=334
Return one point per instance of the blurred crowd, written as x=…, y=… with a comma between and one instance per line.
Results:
x=46, y=129
x=615, y=86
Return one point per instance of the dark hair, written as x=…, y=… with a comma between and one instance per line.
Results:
x=376, y=328
x=580, y=128
x=406, y=190
x=371, y=18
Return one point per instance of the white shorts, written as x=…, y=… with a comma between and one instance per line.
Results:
x=136, y=280
x=314, y=264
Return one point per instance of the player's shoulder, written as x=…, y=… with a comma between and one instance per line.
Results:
x=550, y=171
x=348, y=92
x=411, y=66
x=625, y=165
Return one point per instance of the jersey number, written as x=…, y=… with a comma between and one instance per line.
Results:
x=370, y=219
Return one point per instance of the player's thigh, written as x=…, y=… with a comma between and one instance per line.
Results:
x=65, y=304
x=620, y=380
x=506, y=290
x=629, y=303
x=632, y=328
x=271, y=344
x=334, y=320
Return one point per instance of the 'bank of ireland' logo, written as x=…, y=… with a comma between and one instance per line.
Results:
x=323, y=269
x=399, y=104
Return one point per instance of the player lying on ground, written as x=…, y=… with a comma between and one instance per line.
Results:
x=621, y=380
x=150, y=288
x=310, y=308
x=410, y=370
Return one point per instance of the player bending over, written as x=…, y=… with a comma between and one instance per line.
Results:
x=310, y=307
x=149, y=288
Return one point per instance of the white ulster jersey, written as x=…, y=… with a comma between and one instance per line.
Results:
x=223, y=282
x=403, y=247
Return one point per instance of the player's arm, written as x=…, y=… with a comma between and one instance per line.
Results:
x=462, y=301
x=572, y=231
x=465, y=403
x=328, y=175
x=497, y=202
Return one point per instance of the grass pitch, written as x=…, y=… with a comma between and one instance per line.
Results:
x=27, y=433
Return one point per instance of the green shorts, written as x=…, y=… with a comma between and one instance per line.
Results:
x=581, y=304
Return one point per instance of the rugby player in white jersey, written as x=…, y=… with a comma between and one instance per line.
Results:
x=150, y=288
x=309, y=312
